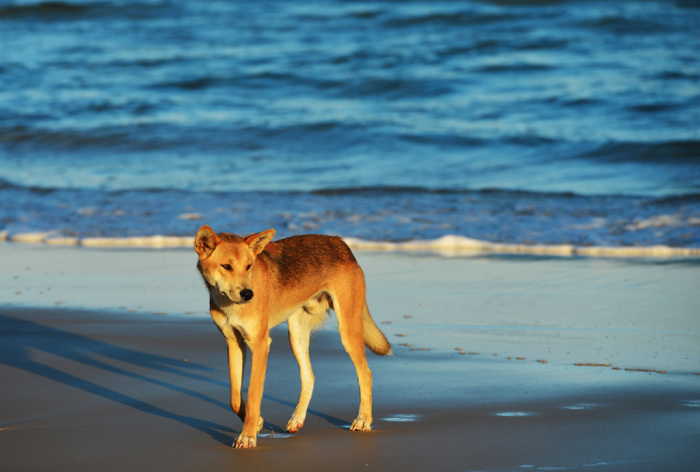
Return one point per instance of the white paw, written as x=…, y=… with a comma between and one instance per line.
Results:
x=245, y=442
x=294, y=425
x=361, y=424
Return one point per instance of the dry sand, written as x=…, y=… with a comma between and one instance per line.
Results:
x=109, y=362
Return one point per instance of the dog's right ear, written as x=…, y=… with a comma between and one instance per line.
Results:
x=205, y=242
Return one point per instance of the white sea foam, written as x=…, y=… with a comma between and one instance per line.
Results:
x=659, y=221
x=53, y=238
x=156, y=241
x=459, y=245
x=62, y=240
x=30, y=237
x=449, y=245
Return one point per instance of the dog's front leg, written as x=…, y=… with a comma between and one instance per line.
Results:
x=259, y=348
x=236, y=367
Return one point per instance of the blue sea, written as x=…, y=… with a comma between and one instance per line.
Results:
x=531, y=122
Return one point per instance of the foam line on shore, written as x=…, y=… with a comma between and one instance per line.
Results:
x=448, y=245
x=458, y=245
x=52, y=238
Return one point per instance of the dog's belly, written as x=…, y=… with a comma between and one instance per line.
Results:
x=314, y=307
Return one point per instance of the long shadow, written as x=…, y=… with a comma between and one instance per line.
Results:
x=19, y=338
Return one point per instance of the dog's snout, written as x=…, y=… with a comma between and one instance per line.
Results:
x=247, y=294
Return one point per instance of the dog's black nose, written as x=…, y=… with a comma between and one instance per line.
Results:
x=247, y=294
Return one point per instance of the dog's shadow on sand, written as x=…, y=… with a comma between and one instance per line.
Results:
x=21, y=340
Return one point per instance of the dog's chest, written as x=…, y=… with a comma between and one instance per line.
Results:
x=229, y=319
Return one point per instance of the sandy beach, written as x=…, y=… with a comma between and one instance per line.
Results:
x=110, y=362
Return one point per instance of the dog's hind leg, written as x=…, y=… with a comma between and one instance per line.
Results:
x=300, y=325
x=349, y=310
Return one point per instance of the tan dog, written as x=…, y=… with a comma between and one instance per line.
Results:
x=255, y=284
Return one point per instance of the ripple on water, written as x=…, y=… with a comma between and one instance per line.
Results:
x=275, y=435
x=513, y=414
x=581, y=406
x=402, y=418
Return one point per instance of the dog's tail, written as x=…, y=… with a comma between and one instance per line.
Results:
x=374, y=338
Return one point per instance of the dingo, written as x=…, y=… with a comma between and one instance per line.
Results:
x=255, y=284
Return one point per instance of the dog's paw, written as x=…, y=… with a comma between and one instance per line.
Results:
x=245, y=442
x=248, y=437
x=294, y=426
x=361, y=424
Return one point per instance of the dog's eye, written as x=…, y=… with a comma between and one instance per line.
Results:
x=248, y=267
x=226, y=267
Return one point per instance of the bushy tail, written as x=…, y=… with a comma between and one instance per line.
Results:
x=374, y=338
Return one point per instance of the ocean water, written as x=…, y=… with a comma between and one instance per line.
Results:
x=526, y=122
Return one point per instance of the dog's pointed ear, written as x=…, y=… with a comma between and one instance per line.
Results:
x=205, y=242
x=258, y=241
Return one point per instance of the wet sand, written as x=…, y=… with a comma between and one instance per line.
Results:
x=109, y=362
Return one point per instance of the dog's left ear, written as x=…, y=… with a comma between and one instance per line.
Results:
x=258, y=241
x=206, y=241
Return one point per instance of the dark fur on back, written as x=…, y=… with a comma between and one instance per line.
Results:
x=297, y=254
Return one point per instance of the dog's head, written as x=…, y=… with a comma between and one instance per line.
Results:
x=226, y=263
